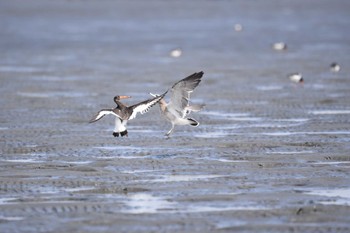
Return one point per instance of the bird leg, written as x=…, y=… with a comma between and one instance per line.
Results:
x=170, y=131
x=124, y=133
x=115, y=134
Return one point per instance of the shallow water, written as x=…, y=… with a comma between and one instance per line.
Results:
x=338, y=196
x=268, y=155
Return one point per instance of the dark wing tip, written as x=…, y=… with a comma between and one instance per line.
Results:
x=162, y=95
x=198, y=74
x=92, y=120
x=98, y=115
x=195, y=77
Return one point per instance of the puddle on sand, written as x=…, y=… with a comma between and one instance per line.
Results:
x=198, y=209
x=318, y=86
x=232, y=116
x=131, y=154
x=23, y=161
x=142, y=129
x=75, y=162
x=273, y=125
x=224, y=114
x=280, y=133
x=10, y=218
x=7, y=200
x=53, y=94
x=142, y=171
x=329, y=112
x=223, y=160
x=341, y=196
x=331, y=162
x=119, y=148
x=78, y=189
x=245, y=118
x=142, y=203
x=290, y=152
x=221, y=225
x=268, y=87
x=20, y=69
x=212, y=135
x=229, y=126
x=293, y=120
x=119, y=157
x=307, y=133
x=182, y=178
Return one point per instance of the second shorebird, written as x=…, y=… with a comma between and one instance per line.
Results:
x=124, y=113
x=178, y=108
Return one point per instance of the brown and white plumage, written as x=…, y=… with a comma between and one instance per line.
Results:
x=178, y=108
x=124, y=113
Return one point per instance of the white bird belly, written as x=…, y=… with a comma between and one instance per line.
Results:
x=119, y=125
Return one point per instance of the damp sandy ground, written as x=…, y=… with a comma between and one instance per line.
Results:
x=269, y=156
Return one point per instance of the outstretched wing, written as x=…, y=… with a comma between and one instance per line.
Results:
x=144, y=106
x=180, y=93
x=104, y=112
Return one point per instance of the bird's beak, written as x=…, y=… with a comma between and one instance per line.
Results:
x=124, y=97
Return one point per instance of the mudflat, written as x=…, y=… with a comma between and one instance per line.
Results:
x=269, y=155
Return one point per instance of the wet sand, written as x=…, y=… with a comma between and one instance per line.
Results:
x=269, y=155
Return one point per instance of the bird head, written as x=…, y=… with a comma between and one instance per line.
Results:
x=120, y=97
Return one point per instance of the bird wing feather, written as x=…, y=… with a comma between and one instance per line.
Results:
x=180, y=93
x=145, y=106
x=104, y=112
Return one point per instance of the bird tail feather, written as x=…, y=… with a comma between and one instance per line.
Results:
x=192, y=122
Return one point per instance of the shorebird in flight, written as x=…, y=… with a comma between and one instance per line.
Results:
x=178, y=108
x=124, y=113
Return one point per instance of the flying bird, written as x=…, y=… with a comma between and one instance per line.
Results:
x=124, y=113
x=178, y=108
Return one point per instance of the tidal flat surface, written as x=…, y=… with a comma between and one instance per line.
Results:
x=268, y=155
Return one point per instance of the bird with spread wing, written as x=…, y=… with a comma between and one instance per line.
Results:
x=178, y=108
x=124, y=113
